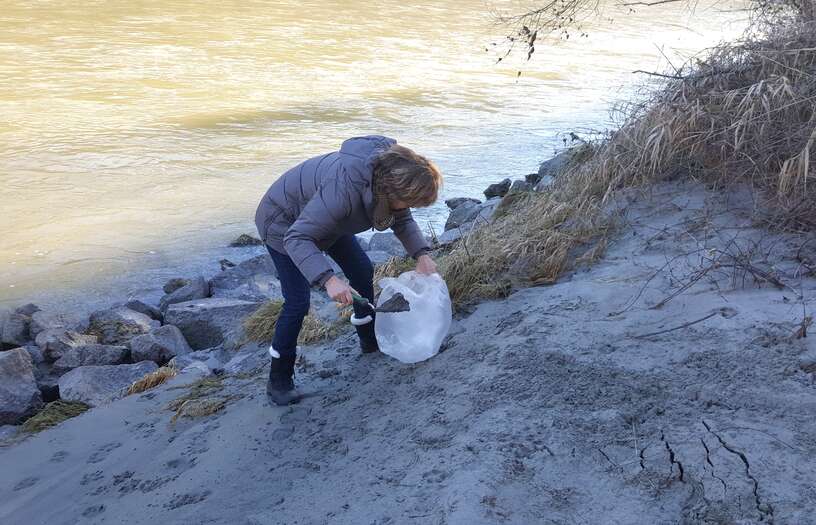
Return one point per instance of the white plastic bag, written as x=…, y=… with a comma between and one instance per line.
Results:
x=415, y=335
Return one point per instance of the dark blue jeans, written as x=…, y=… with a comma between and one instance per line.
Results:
x=355, y=264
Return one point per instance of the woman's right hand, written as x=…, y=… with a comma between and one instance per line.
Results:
x=339, y=290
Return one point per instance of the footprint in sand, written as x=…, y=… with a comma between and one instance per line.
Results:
x=180, y=500
x=59, y=456
x=102, y=452
x=93, y=510
x=25, y=483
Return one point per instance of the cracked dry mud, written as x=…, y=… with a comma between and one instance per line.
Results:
x=542, y=408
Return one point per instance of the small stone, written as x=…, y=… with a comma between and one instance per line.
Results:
x=499, y=189
x=225, y=264
x=807, y=362
x=245, y=240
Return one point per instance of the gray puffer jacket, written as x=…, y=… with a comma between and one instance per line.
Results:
x=313, y=204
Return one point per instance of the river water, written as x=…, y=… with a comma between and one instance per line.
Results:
x=136, y=137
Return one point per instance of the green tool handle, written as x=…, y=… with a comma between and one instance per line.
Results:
x=362, y=300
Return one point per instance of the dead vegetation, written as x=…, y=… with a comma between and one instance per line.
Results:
x=260, y=326
x=53, y=414
x=200, y=400
x=152, y=380
x=741, y=112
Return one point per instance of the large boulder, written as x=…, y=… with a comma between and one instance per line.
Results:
x=212, y=358
x=453, y=235
x=197, y=288
x=552, y=167
x=174, y=284
x=520, y=186
x=386, y=242
x=253, y=280
x=119, y=325
x=377, y=257
x=55, y=342
x=90, y=355
x=19, y=395
x=209, y=322
x=97, y=385
x=469, y=212
x=545, y=183
x=458, y=201
x=43, y=320
x=251, y=357
x=499, y=189
x=160, y=345
x=144, y=308
x=15, y=329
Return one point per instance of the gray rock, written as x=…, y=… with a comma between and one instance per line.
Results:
x=90, y=355
x=119, y=325
x=252, y=280
x=807, y=361
x=386, y=242
x=16, y=329
x=8, y=432
x=249, y=358
x=160, y=345
x=196, y=370
x=19, y=395
x=455, y=234
x=245, y=240
x=213, y=359
x=554, y=166
x=143, y=308
x=363, y=242
x=377, y=257
x=174, y=284
x=465, y=212
x=98, y=385
x=520, y=186
x=54, y=343
x=532, y=178
x=458, y=201
x=209, y=322
x=36, y=354
x=545, y=183
x=226, y=264
x=499, y=189
x=197, y=288
x=27, y=309
x=42, y=320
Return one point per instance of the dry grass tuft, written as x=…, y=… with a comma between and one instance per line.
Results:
x=53, y=414
x=152, y=380
x=260, y=326
x=199, y=408
x=744, y=112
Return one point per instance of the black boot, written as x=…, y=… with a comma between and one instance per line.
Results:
x=368, y=341
x=280, y=388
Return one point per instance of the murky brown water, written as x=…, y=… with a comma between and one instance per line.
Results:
x=137, y=136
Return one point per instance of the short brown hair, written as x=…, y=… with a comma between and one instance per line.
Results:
x=402, y=174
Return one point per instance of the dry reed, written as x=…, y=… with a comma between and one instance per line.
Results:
x=152, y=380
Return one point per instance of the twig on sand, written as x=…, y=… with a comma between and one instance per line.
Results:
x=725, y=312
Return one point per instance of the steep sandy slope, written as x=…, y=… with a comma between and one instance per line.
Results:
x=547, y=407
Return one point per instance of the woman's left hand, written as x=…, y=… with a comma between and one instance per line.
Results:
x=426, y=265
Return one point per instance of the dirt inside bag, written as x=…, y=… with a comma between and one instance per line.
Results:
x=417, y=334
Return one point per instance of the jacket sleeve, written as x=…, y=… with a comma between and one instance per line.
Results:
x=407, y=231
x=317, y=221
